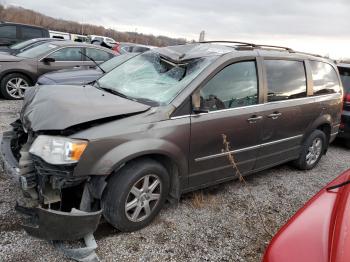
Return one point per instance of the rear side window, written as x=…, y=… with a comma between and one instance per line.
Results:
x=8, y=31
x=325, y=78
x=30, y=33
x=234, y=86
x=97, y=55
x=67, y=54
x=285, y=79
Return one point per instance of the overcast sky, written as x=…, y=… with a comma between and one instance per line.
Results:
x=318, y=26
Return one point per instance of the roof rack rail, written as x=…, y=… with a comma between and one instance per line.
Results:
x=250, y=44
x=277, y=47
x=228, y=42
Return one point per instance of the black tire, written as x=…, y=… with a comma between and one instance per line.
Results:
x=118, y=192
x=302, y=163
x=11, y=77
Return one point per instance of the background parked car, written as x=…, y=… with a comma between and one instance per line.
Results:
x=22, y=46
x=319, y=230
x=344, y=130
x=124, y=47
x=83, y=76
x=102, y=40
x=20, y=71
x=12, y=33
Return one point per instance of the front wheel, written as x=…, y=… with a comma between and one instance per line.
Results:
x=312, y=150
x=135, y=195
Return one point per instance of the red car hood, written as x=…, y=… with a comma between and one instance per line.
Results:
x=319, y=231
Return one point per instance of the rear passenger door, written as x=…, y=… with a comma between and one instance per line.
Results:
x=287, y=111
x=232, y=99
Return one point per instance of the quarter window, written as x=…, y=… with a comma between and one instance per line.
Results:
x=325, y=78
x=285, y=80
x=8, y=31
x=234, y=86
x=97, y=55
x=67, y=54
x=30, y=33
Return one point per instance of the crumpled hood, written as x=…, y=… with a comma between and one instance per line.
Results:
x=59, y=107
x=70, y=77
x=10, y=58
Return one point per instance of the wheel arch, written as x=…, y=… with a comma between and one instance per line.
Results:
x=165, y=152
x=323, y=123
x=30, y=76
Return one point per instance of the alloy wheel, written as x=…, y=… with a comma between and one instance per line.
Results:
x=16, y=87
x=143, y=198
x=314, y=151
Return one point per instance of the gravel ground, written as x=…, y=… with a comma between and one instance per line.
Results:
x=216, y=224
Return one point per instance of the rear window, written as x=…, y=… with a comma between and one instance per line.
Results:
x=286, y=79
x=29, y=33
x=8, y=31
x=345, y=78
x=325, y=78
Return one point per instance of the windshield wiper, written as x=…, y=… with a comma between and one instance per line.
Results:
x=103, y=71
x=339, y=185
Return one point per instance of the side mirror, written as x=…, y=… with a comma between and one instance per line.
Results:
x=196, y=104
x=48, y=60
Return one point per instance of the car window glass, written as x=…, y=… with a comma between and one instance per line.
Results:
x=97, y=55
x=37, y=51
x=23, y=44
x=234, y=86
x=285, y=79
x=67, y=54
x=325, y=78
x=8, y=31
x=345, y=78
x=29, y=33
x=116, y=61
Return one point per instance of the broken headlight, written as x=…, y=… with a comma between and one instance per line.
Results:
x=58, y=150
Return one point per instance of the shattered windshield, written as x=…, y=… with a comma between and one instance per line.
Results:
x=152, y=78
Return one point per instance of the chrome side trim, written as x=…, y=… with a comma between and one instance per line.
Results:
x=179, y=117
x=334, y=134
x=246, y=148
x=334, y=95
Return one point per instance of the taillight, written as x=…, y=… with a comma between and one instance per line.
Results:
x=347, y=98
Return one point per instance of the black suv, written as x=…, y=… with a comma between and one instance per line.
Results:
x=344, y=130
x=12, y=33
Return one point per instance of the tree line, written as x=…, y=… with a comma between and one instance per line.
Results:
x=26, y=16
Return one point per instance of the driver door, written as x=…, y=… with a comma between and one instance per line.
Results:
x=231, y=98
x=65, y=58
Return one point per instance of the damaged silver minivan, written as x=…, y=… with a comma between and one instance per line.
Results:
x=151, y=129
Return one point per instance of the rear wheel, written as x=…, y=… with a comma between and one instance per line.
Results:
x=13, y=86
x=135, y=194
x=312, y=150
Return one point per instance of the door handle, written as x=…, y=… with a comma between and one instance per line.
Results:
x=77, y=66
x=254, y=119
x=274, y=115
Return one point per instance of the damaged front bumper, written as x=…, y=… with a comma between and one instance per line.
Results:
x=57, y=225
x=42, y=221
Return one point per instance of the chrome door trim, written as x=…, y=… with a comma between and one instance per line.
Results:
x=333, y=96
x=199, y=159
